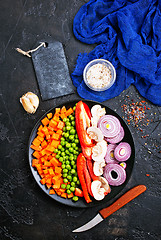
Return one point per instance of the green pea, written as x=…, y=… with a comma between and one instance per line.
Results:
x=72, y=118
x=72, y=189
x=65, y=180
x=74, y=108
x=55, y=150
x=68, y=123
x=65, y=175
x=59, y=147
x=72, y=131
x=69, y=177
x=74, y=167
x=75, y=157
x=57, y=156
x=62, y=139
x=75, y=198
x=68, y=128
x=67, y=162
x=68, y=191
x=68, y=145
x=62, y=143
x=65, y=170
x=62, y=154
x=68, y=186
x=73, y=171
x=63, y=165
x=68, y=167
x=73, y=123
x=75, y=179
x=67, y=152
x=63, y=186
x=61, y=159
x=71, y=157
x=76, y=141
x=70, y=149
x=78, y=182
x=64, y=119
x=71, y=137
x=73, y=145
x=72, y=163
x=66, y=135
x=72, y=184
x=64, y=129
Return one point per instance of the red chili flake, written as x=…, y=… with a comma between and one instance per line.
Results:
x=147, y=174
x=148, y=108
x=143, y=101
x=145, y=107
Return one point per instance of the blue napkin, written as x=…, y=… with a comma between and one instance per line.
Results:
x=128, y=34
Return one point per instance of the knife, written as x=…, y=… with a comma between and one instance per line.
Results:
x=105, y=212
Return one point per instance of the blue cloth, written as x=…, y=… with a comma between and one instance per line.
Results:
x=128, y=34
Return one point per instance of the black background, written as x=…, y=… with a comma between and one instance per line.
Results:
x=26, y=212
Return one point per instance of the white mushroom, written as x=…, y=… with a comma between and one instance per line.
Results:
x=97, y=111
x=95, y=133
x=99, y=151
x=97, y=190
x=98, y=167
x=30, y=102
x=105, y=185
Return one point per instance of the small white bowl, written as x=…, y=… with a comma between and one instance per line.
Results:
x=105, y=63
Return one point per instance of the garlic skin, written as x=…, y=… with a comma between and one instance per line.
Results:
x=30, y=102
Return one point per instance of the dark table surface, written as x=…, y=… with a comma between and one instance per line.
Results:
x=26, y=212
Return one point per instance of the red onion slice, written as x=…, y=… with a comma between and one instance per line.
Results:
x=122, y=152
x=117, y=138
x=114, y=174
x=109, y=125
x=109, y=157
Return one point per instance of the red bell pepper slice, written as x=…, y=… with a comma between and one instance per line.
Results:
x=81, y=161
x=87, y=152
x=88, y=179
x=82, y=123
x=78, y=192
x=90, y=169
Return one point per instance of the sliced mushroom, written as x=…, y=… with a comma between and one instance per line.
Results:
x=98, y=167
x=97, y=190
x=30, y=102
x=97, y=111
x=99, y=151
x=95, y=133
x=105, y=185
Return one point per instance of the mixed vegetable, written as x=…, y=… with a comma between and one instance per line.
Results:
x=78, y=152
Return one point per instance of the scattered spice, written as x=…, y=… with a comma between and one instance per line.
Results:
x=147, y=174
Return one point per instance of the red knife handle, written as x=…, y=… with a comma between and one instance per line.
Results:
x=124, y=199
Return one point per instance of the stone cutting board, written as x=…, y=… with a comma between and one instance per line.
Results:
x=52, y=71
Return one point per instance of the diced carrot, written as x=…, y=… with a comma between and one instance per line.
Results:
x=56, y=118
x=41, y=139
x=49, y=115
x=55, y=136
x=52, y=191
x=39, y=129
x=53, y=123
x=48, y=185
x=58, y=169
x=54, y=162
x=36, y=142
x=69, y=112
x=44, y=144
x=51, y=172
x=34, y=162
x=70, y=195
x=37, y=154
x=39, y=133
x=39, y=148
x=56, y=184
x=59, y=132
x=64, y=195
x=55, y=143
x=44, y=130
x=60, y=125
x=45, y=121
x=43, y=181
x=49, y=181
x=57, y=110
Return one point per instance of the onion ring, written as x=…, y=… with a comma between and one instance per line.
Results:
x=114, y=174
x=122, y=152
x=117, y=138
x=109, y=157
x=109, y=125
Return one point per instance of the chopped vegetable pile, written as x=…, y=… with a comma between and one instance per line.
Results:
x=77, y=151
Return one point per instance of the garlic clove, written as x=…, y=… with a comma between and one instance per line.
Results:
x=30, y=102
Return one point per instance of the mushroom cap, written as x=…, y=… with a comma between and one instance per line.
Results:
x=95, y=133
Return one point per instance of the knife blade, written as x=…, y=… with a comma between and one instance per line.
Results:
x=105, y=212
